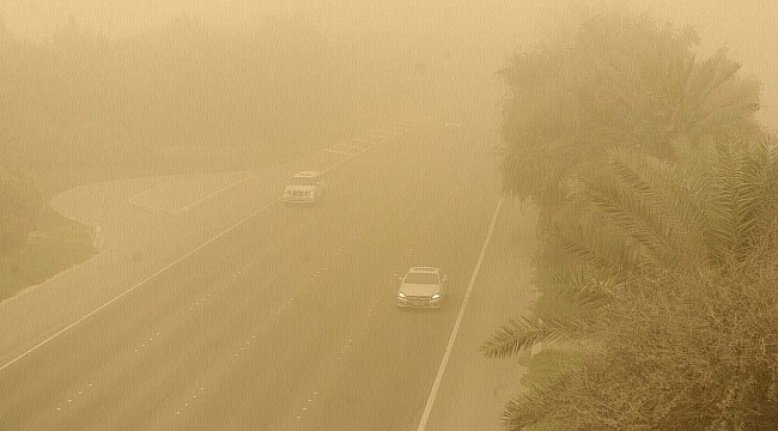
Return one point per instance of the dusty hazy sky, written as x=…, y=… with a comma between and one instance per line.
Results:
x=746, y=27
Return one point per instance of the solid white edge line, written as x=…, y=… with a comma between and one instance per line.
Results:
x=444, y=363
x=354, y=147
x=165, y=268
x=341, y=153
x=132, y=201
x=365, y=141
x=214, y=194
x=155, y=208
x=141, y=193
x=144, y=281
x=335, y=165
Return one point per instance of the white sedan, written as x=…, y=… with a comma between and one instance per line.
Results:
x=422, y=287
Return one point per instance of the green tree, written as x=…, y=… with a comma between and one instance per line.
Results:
x=671, y=270
x=695, y=354
x=616, y=80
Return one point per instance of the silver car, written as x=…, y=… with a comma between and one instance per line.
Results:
x=304, y=187
x=422, y=287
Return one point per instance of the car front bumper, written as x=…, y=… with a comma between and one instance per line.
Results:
x=294, y=199
x=418, y=302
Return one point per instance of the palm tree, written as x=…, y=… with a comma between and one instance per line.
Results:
x=639, y=226
x=621, y=82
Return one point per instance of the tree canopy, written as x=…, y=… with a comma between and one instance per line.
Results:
x=616, y=80
x=657, y=194
x=671, y=269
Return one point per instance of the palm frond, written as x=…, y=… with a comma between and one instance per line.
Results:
x=602, y=251
x=524, y=332
x=733, y=202
x=721, y=70
x=633, y=212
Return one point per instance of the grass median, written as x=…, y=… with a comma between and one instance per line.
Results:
x=58, y=244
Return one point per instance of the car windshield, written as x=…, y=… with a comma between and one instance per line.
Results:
x=303, y=181
x=421, y=278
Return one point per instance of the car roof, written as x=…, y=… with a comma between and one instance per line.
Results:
x=307, y=174
x=428, y=269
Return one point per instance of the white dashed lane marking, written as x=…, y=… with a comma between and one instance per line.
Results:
x=355, y=147
x=307, y=405
x=72, y=399
x=347, y=347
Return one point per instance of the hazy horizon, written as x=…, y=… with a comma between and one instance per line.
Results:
x=491, y=29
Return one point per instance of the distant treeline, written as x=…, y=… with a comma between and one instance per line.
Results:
x=81, y=100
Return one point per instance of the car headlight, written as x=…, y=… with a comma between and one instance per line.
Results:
x=400, y=295
x=436, y=295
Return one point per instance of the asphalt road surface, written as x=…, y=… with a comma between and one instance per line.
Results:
x=288, y=321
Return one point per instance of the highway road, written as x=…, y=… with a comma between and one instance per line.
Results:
x=287, y=322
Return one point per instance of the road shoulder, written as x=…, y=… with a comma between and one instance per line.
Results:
x=475, y=389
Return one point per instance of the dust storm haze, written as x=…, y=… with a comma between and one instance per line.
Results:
x=318, y=214
x=482, y=33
